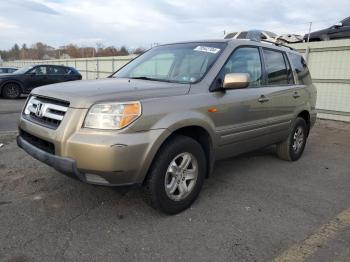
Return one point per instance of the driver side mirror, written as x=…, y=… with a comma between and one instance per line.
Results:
x=236, y=81
x=337, y=25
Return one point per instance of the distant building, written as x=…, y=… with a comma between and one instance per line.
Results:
x=64, y=56
x=48, y=57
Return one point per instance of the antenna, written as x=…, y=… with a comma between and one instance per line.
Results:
x=308, y=35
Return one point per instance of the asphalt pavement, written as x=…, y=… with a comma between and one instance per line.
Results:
x=9, y=113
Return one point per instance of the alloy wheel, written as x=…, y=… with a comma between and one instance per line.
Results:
x=298, y=139
x=181, y=176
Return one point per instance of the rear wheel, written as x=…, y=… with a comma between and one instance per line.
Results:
x=176, y=176
x=11, y=90
x=292, y=148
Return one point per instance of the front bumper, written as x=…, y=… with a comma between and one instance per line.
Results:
x=62, y=164
x=103, y=157
x=95, y=157
x=68, y=166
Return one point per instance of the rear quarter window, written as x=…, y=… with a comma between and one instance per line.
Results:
x=300, y=68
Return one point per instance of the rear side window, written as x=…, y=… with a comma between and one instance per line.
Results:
x=300, y=67
x=276, y=68
x=39, y=70
x=55, y=70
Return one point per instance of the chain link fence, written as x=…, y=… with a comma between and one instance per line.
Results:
x=90, y=68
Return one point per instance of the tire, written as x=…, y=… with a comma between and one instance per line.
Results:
x=11, y=91
x=179, y=164
x=293, y=147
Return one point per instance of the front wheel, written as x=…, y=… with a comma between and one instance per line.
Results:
x=176, y=176
x=11, y=90
x=292, y=148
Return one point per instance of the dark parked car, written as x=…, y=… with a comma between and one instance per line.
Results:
x=340, y=30
x=25, y=79
x=7, y=70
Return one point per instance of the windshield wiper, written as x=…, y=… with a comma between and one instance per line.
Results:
x=151, y=79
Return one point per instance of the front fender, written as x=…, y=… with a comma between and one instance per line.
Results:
x=175, y=121
x=170, y=124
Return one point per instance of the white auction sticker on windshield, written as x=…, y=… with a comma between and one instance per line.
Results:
x=207, y=49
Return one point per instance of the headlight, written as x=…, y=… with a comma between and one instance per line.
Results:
x=28, y=104
x=112, y=115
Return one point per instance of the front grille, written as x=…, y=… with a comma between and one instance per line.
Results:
x=38, y=142
x=45, y=111
x=53, y=123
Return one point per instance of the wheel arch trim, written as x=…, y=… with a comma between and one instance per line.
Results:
x=169, y=132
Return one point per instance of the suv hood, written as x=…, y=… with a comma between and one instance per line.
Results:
x=82, y=94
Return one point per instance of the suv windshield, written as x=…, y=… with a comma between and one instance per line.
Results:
x=179, y=63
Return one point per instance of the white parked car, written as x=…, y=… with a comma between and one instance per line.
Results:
x=290, y=38
x=265, y=35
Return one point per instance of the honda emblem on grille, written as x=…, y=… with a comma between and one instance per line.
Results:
x=39, y=110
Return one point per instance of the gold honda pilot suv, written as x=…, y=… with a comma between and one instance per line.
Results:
x=163, y=119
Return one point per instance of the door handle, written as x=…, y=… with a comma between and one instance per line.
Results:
x=263, y=99
x=296, y=95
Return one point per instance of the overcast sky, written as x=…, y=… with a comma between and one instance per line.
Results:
x=142, y=22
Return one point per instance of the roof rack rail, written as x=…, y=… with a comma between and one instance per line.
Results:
x=277, y=44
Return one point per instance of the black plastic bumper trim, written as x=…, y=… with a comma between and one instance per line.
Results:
x=64, y=165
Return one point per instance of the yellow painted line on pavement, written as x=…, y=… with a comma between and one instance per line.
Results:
x=310, y=245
